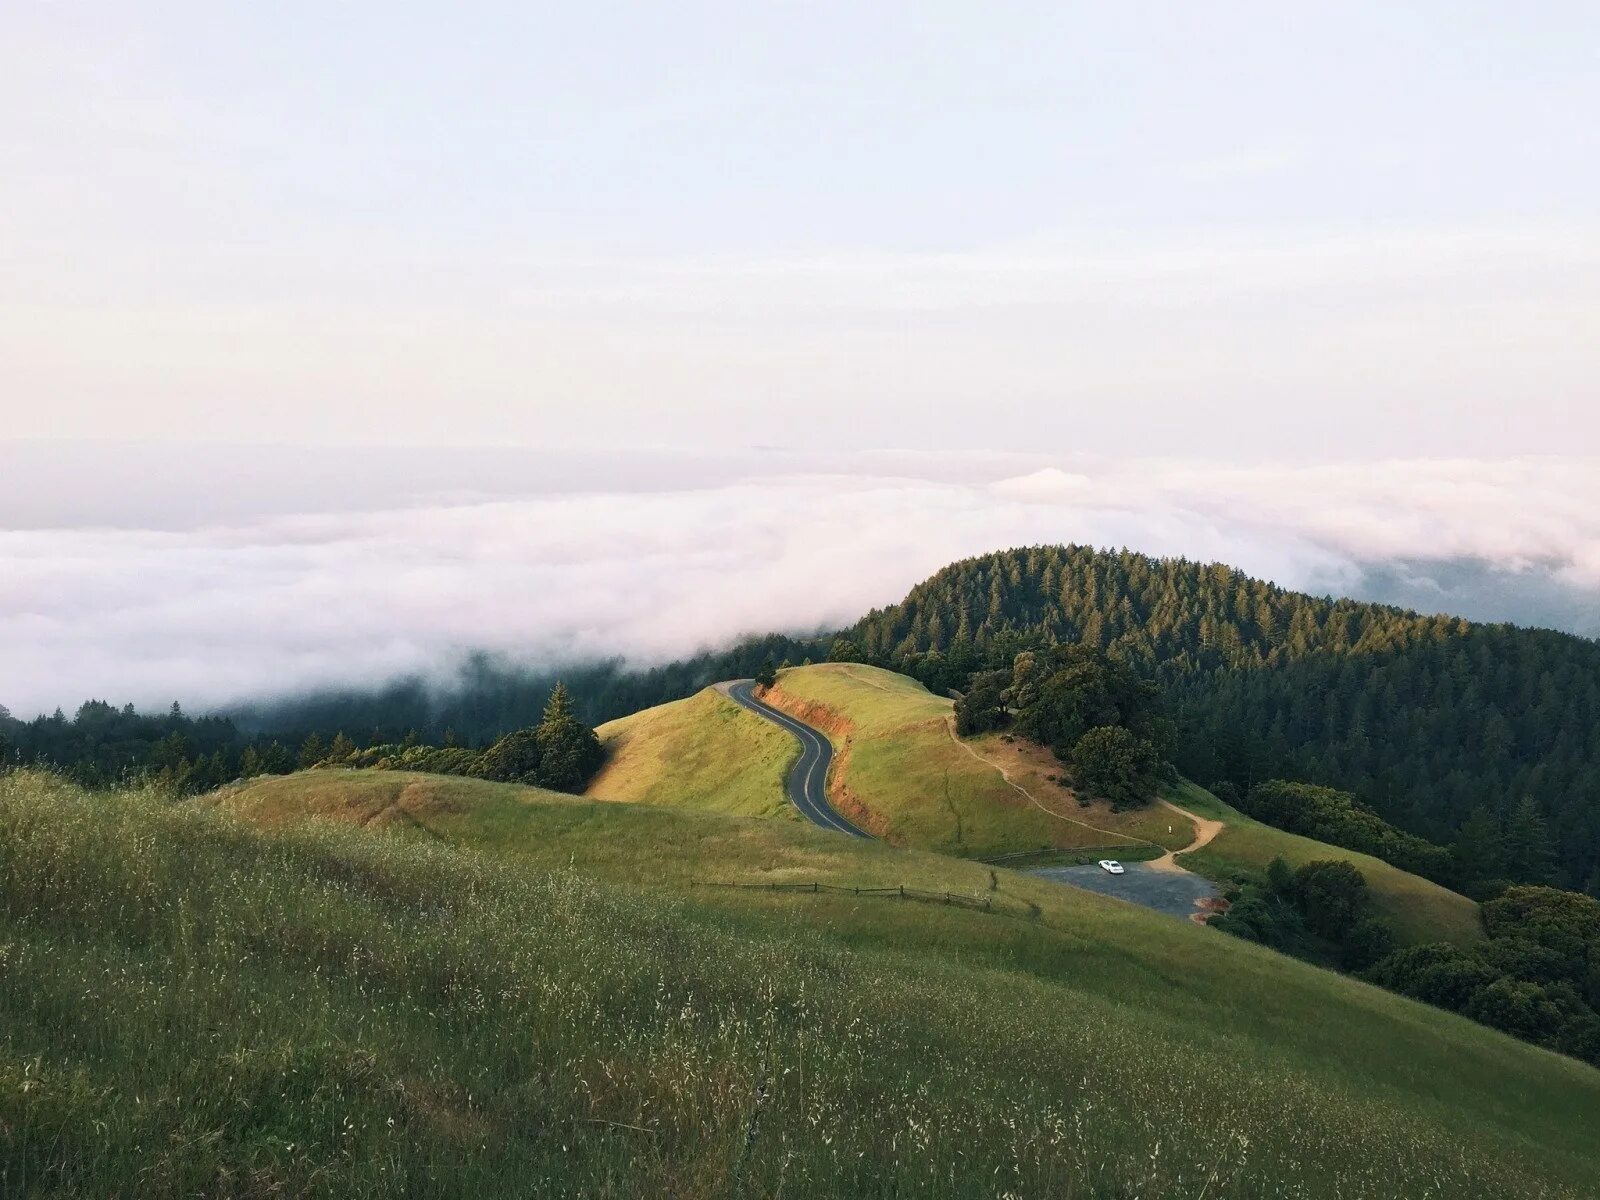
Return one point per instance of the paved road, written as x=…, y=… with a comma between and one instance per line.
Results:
x=807, y=785
x=1175, y=893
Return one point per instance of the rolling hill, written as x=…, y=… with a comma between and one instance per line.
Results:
x=1424, y=717
x=901, y=773
x=492, y=1002
x=705, y=753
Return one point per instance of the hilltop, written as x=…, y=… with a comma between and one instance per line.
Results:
x=705, y=753
x=1426, y=718
x=901, y=773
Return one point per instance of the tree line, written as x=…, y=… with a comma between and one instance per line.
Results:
x=102, y=746
x=1444, y=728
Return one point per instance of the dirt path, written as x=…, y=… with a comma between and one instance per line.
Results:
x=1204, y=831
x=1118, y=839
x=871, y=683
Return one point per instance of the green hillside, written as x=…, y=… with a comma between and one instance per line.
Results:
x=189, y=1006
x=901, y=773
x=1424, y=717
x=704, y=752
x=1420, y=909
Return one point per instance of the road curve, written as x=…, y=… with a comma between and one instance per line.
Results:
x=807, y=784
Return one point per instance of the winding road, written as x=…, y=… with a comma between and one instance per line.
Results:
x=807, y=785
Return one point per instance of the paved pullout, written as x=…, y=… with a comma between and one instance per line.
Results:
x=1161, y=884
x=807, y=785
x=1176, y=893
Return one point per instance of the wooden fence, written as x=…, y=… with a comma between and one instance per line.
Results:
x=899, y=892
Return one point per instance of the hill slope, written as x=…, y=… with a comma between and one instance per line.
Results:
x=1423, y=717
x=901, y=773
x=1422, y=911
x=704, y=752
x=359, y=1013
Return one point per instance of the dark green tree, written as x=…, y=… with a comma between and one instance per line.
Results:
x=1332, y=895
x=1113, y=762
x=844, y=650
x=1530, y=853
x=570, y=752
x=1480, y=848
x=312, y=751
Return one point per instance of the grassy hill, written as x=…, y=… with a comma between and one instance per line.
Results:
x=192, y=1005
x=704, y=752
x=902, y=774
x=1421, y=910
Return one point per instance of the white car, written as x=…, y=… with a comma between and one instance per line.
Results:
x=1111, y=866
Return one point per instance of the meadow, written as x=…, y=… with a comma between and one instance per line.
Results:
x=704, y=752
x=1421, y=910
x=901, y=774
x=451, y=1004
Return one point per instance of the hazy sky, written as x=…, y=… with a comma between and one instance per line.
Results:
x=1260, y=231
x=245, y=573
x=339, y=339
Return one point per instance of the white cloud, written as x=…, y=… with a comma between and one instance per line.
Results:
x=273, y=603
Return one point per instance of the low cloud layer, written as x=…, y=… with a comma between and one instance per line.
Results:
x=651, y=566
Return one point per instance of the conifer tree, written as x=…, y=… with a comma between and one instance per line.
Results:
x=569, y=751
x=1530, y=854
x=1480, y=848
x=312, y=751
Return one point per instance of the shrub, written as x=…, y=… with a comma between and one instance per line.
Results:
x=1369, y=940
x=1112, y=762
x=1332, y=894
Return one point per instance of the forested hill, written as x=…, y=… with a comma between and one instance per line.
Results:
x=1427, y=718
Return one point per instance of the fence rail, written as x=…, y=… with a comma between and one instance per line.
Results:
x=899, y=892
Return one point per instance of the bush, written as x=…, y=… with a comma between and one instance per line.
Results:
x=1370, y=940
x=515, y=758
x=1519, y=1008
x=1112, y=762
x=1332, y=894
x=1439, y=973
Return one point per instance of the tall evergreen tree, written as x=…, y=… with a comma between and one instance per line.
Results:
x=312, y=751
x=570, y=752
x=1530, y=853
x=1480, y=847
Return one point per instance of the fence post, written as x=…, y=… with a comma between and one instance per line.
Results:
x=902, y=891
x=815, y=888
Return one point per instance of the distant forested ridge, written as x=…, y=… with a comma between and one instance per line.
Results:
x=1457, y=732
x=1428, y=719
x=102, y=744
x=488, y=696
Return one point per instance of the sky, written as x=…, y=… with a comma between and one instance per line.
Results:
x=336, y=340
x=1239, y=230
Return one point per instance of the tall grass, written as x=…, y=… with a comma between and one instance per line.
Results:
x=189, y=1007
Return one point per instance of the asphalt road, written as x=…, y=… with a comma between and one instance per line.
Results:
x=1175, y=893
x=807, y=785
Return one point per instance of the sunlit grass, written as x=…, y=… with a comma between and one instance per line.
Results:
x=705, y=753
x=899, y=771
x=1422, y=911
x=191, y=1007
